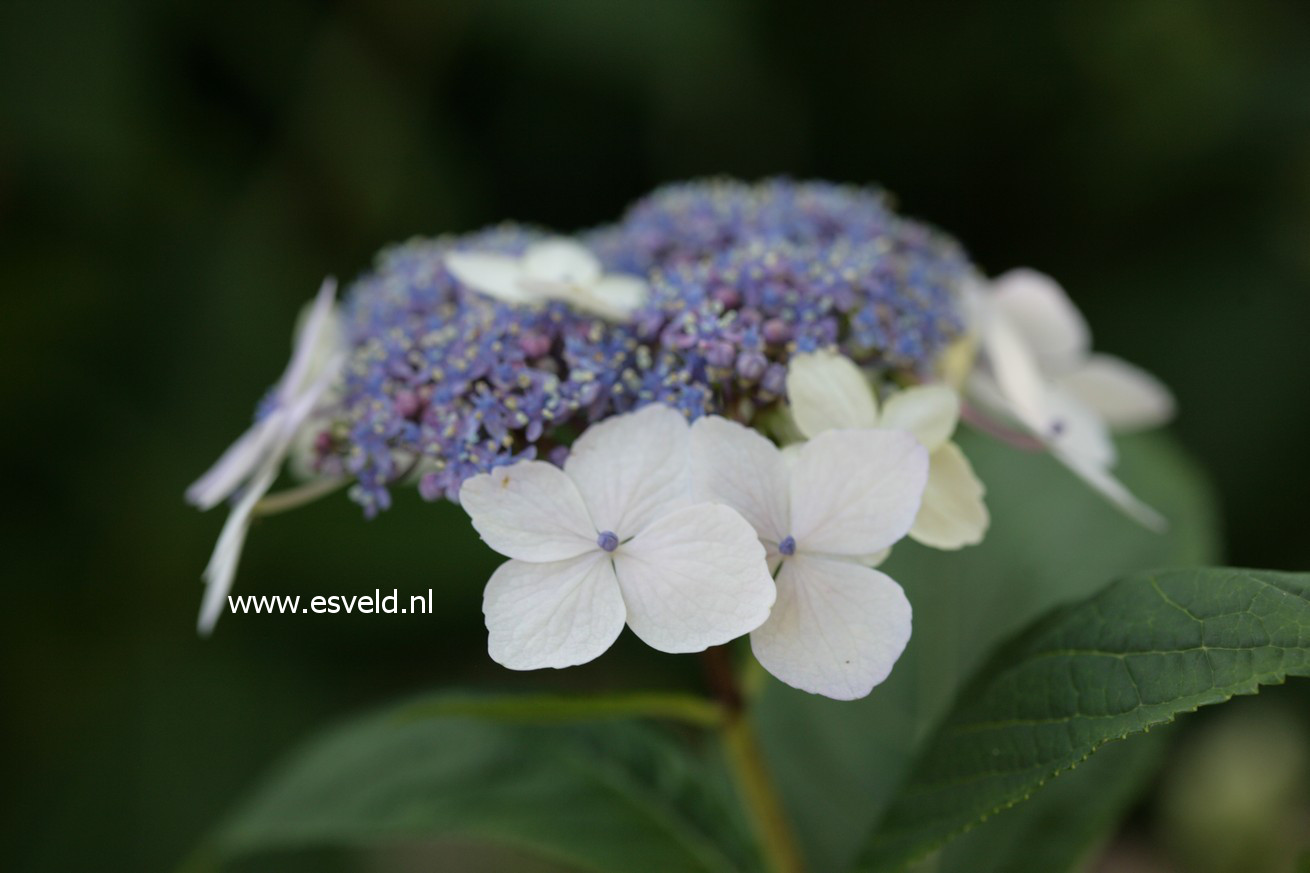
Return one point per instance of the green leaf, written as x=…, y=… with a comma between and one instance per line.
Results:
x=1052, y=541
x=558, y=709
x=1075, y=813
x=616, y=795
x=1146, y=649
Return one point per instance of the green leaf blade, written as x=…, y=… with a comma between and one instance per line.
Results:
x=597, y=796
x=1143, y=651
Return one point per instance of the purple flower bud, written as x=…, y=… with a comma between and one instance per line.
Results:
x=774, y=380
x=675, y=336
x=719, y=353
x=407, y=404
x=751, y=365
x=534, y=344
x=776, y=331
x=430, y=487
x=727, y=296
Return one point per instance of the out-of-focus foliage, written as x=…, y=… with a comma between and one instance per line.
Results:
x=612, y=795
x=1238, y=796
x=176, y=177
x=1074, y=815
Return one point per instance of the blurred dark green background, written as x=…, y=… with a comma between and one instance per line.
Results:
x=176, y=178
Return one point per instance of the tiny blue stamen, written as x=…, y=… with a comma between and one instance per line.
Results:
x=608, y=540
x=1057, y=427
x=787, y=546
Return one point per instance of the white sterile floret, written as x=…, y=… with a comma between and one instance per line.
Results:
x=613, y=538
x=838, y=626
x=556, y=269
x=252, y=463
x=827, y=391
x=1037, y=369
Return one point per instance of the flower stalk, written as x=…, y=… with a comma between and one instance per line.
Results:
x=298, y=496
x=750, y=773
x=762, y=802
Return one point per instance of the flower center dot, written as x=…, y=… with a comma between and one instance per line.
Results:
x=787, y=546
x=608, y=540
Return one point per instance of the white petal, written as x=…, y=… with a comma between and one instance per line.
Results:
x=854, y=492
x=737, y=466
x=234, y=466
x=1127, y=397
x=827, y=391
x=836, y=630
x=318, y=338
x=560, y=261
x=530, y=511
x=986, y=397
x=613, y=297
x=874, y=560
x=631, y=468
x=1115, y=491
x=301, y=407
x=975, y=302
x=1045, y=317
x=953, y=514
x=556, y=614
x=282, y=427
x=695, y=578
x=312, y=369
x=497, y=276
x=1078, y=431
x=930, y=412
x=1019, y=381
x=222, y=567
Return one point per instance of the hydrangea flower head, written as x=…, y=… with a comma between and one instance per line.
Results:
x=598, y=407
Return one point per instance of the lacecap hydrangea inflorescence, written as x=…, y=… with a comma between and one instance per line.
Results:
x=443, y=382
x=714, y=417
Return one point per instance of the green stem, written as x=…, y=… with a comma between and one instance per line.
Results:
x=761, y=798
x=293, y=498
x=749, y=770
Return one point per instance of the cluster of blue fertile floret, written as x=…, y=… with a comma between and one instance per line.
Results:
x=444, y=382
